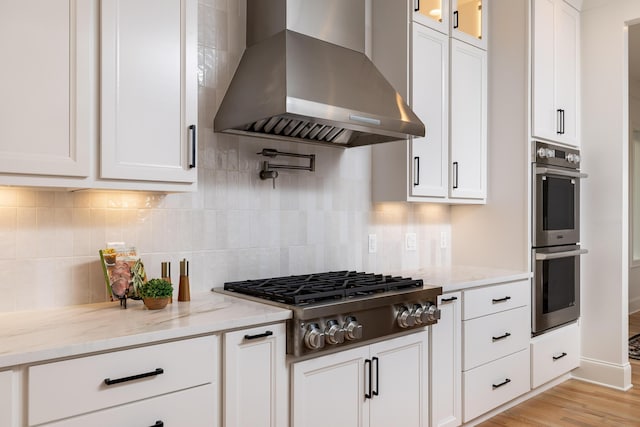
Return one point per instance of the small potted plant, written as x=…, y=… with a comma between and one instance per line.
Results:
x=156, y=293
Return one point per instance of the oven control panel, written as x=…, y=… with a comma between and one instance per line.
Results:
x=555, y=155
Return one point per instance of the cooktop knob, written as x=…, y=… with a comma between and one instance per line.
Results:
x=405, y=318
x=333, y=333
x=419, y=314
x=314, y=338
x=432, y=313
x=352, y=329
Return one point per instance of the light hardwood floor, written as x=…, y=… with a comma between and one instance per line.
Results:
x=577, y=403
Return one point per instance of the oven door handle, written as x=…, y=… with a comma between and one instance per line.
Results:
x=553, y=171
x=556, y=255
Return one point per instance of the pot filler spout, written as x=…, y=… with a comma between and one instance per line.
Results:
x=299, y=82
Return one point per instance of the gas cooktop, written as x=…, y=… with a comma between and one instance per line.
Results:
x=321, y=287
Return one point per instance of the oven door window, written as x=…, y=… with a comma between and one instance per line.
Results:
x=558, y=284
x=558, y=203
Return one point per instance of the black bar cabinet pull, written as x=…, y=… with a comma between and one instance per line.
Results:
x=109, y=381
x=158, y=424
x=416, y=6
x=368, y=362
x=505, y=382
x=448, y=299
x=416, y=171
x=562, y=121
x=505, y=299
x=560, y=356
x=455, y=19
x=501, y=337
x=255, y=337
x=377, y=390
x=455, y=174
x=192, y=162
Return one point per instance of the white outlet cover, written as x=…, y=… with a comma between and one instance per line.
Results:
x=411, y=242
x=373, y=243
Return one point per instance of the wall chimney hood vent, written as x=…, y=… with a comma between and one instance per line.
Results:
x=307, y=88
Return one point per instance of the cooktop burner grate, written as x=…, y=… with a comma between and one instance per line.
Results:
x=321, y=287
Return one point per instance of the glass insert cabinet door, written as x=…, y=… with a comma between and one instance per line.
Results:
x=465, y=20
x=432, y=13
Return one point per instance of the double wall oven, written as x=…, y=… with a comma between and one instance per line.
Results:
x=556, y=247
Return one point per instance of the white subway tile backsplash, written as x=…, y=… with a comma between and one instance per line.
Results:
x=236, y=226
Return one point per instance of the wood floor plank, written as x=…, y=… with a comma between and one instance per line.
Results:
x=578, y=403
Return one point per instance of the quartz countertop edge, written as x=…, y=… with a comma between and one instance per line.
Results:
x=459, y=278
x=42, y=335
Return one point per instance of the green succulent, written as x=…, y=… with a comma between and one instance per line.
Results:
x=155, y=288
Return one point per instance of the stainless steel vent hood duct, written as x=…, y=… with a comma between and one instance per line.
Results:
x=304, y=77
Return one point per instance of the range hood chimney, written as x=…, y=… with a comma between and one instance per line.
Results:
x=304, y=77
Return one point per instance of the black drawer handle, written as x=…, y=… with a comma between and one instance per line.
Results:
x=109, y=381
x=505, y=382
x=505, y=299
x=255, y=337
x=448, y=299
x=192, y=160
x=158, y=424
x=501, y=337
x=559, y=357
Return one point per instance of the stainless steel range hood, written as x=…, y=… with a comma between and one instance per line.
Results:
x=307, y=88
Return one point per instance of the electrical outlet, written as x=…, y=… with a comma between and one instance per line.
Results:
x=411, y=242
x=373, y=244
x=443, y=239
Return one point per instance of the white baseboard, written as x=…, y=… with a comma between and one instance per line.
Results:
x=617, y=376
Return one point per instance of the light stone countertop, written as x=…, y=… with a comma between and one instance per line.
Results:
x=456, y=278
x=35, y=336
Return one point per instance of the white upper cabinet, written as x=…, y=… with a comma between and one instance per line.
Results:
x=468, y=121
x=99, y=94
x=556, y=75
x=445, y=83
x=149, y=90
x=45, y=87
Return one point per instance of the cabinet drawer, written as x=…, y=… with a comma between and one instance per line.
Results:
x=491, y=337
x=554, y=353
x=489, y=386
x=194, y=407
x=81, y=387
x=492, y=299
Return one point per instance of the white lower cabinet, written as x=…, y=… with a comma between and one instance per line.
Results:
x=255, y=387
x=192, y=407
x=489, y=386
x=116, y=379
x=496, y=325
x=554, y=353
x=6, y=399
x=446, y=365
x=382, y=384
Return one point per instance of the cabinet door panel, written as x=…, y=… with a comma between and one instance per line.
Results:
x=468, y=121
x=148, y=58
x=543, y=79
x=432, y=13
x=255, y=371
x=401, y=384
x=335, y=382
x=45, y=125
x=446, y=365
x=430, y=77
x=567, y=63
